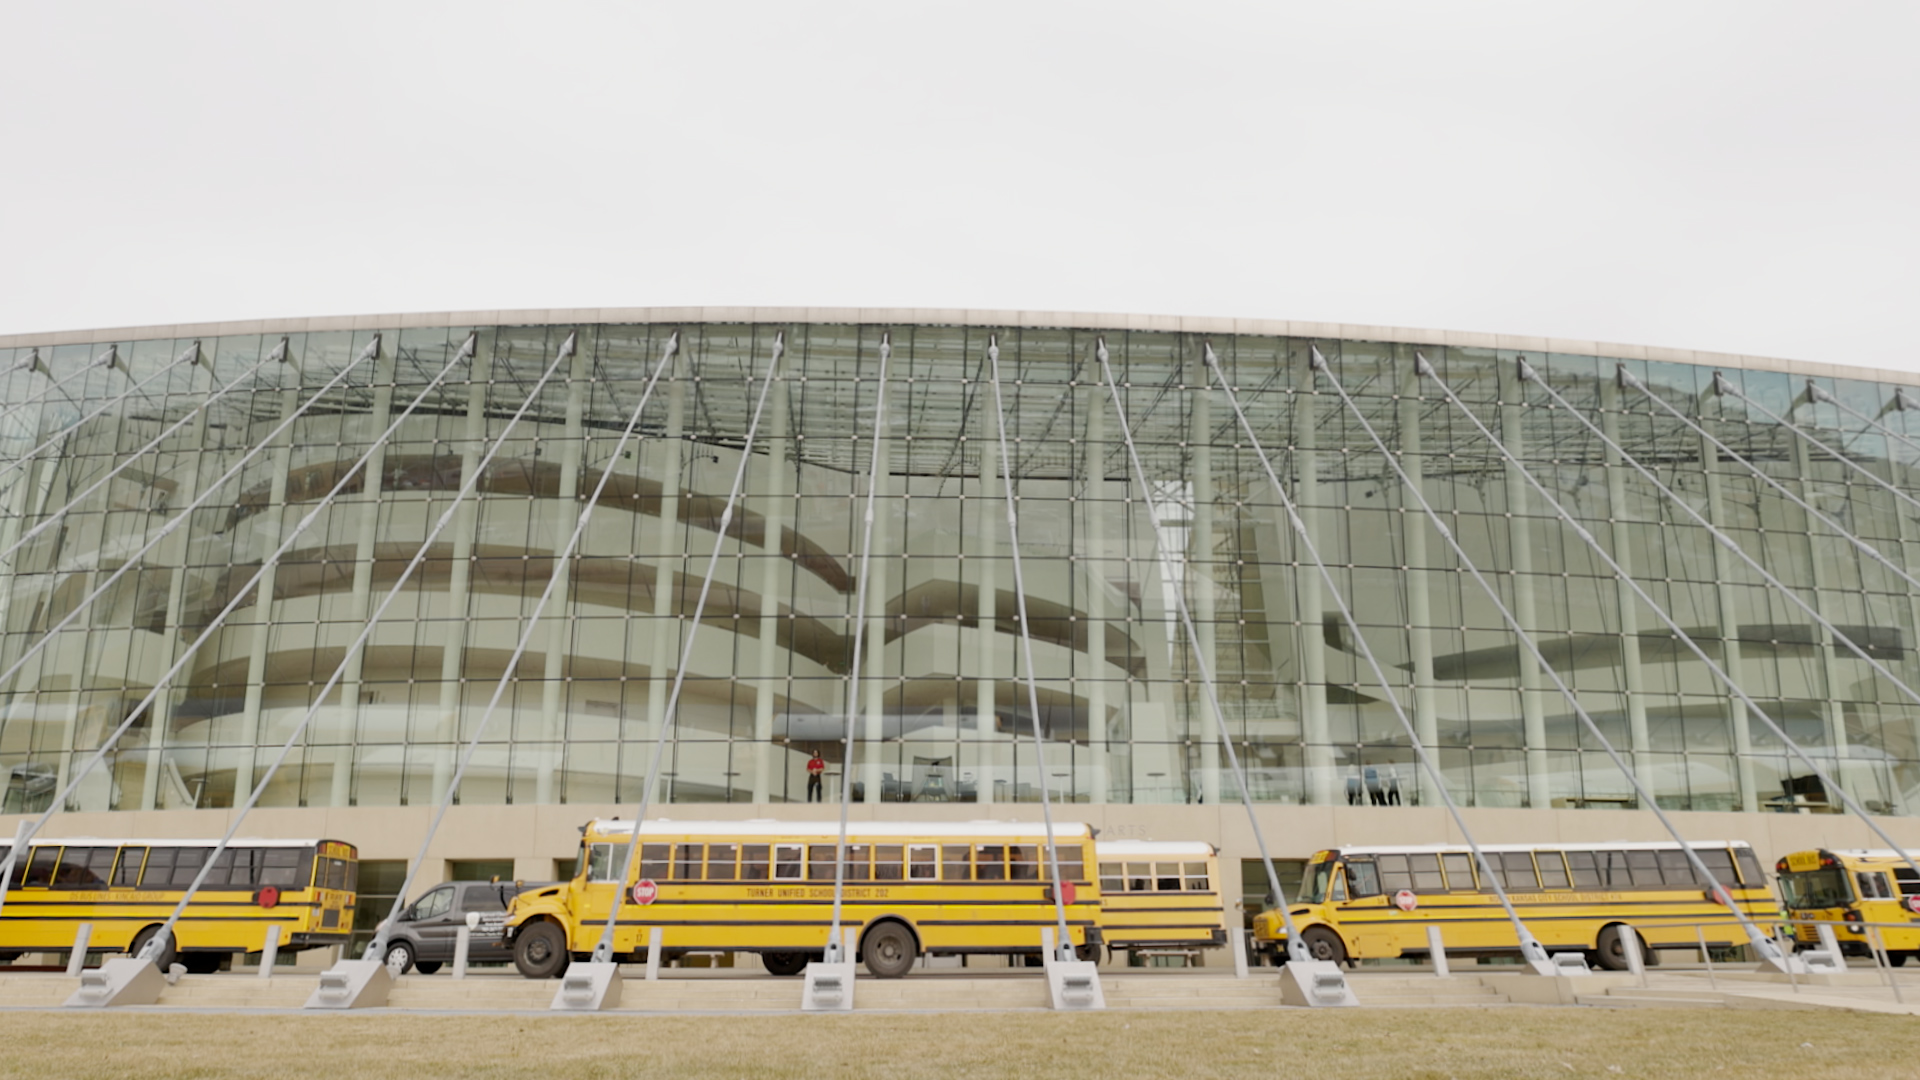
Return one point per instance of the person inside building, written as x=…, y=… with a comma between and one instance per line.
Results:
x=816, y=769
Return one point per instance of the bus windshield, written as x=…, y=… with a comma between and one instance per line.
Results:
x=1813, y=889
x=1313, y=890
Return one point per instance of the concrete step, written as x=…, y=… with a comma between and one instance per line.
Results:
x=1634, y=1001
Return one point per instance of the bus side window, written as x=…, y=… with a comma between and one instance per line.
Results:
x=159, y=871
x=786, y=862
x=1613, y=868
x=921, y=862
x=1586, y=871
x=1750, y=872
x=1517, y=868
x=1197, y=880
x=653, y=861
x=1873, y=886
x=1459, y=869
x=1645, y=868
x=753, y=862
x=1073, y=865
x=1553, y=869
x=820, y=862
x=1677, y=869
x=607, y=862
x=188, y=861
x=990, y=862
x=1338, y=893
x=956, y=862
x=1395, y=876
x=40, y=867
x=859, y=862
x=720, y=860
x=1364, y=878
x=688, y=865
x=126, y=873
x=886, y=862
x=1166, y=877
x=1426, y=873
x=1719, y=864
x=1112, y=880
x=75, y=871
x=1139, y=877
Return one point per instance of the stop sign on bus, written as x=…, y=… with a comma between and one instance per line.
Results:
x=645, y=891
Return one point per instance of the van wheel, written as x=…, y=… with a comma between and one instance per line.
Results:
x=399, y=958
x=426, y=967
x=540, y=951
x=1324, y=944
x=161, y=958
x=1611, y=950
x=888, y=950
x=785, y=963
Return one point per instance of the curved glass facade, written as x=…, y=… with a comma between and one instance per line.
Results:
x=176, y=465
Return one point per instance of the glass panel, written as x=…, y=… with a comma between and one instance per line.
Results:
x=1459, y=869
x=1553, y=869
x=956, y=862
x=753, y=862
x=720, y=860
x=1426, y=873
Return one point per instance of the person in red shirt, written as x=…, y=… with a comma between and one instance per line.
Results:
x=816, y=768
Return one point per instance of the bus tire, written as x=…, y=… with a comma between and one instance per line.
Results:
x=1089, y=953
x=202, y=963
x=1323, y=944
x=163, y=957
x=785, y=963
x=1897, y=959
x=1611, y=953
x=888, y=950
x=540, y=951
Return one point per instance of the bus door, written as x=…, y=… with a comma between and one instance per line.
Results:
x=606, y=872
x=1881, y=902
x=1364, y=919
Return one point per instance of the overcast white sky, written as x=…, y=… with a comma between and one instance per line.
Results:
x=1736, y=176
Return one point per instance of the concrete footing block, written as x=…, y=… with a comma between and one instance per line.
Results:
x=353, y=984
x=588, y=987
x=1074, y=984
x=123, y=980
x=1315, y=984
x=829, y=987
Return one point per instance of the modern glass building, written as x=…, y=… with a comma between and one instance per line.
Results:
x=248, y=505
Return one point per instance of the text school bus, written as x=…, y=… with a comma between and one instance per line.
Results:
x=1854, y=889
x=127, y=888
x=912, y=889
x=1365, y=902
x=1160, y=895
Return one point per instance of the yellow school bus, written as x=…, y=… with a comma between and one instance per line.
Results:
x=1160, y=895
x=1850, y=888
x=1359, y=903
x=127, y=888
x=912, y=889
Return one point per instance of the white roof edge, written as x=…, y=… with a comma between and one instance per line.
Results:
x=1077, y=320
x=1566, y=845
x=669, y=827
x=170, y=841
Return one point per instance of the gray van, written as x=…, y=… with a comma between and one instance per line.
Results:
x=425, y=931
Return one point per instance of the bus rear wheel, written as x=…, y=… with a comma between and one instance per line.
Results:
x=161, y=958
x=785, y=963
x=888, y=950
x=1611, y=949
x=202, y=963
x=540, y=951
x=1324, y=944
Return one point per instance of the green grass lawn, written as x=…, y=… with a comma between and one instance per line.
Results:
x=1340, y=1045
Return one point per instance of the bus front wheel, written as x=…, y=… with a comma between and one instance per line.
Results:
x=1324, y=944
x=162, y=957
x=888, y=950
x=1611, y=949
x=785, y=963
x=540, y=951
x=1897, y=959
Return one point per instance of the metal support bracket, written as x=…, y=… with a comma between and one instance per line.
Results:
x=123, y=980
x=588, y=986
x=353, y=984
x=1315, y=984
